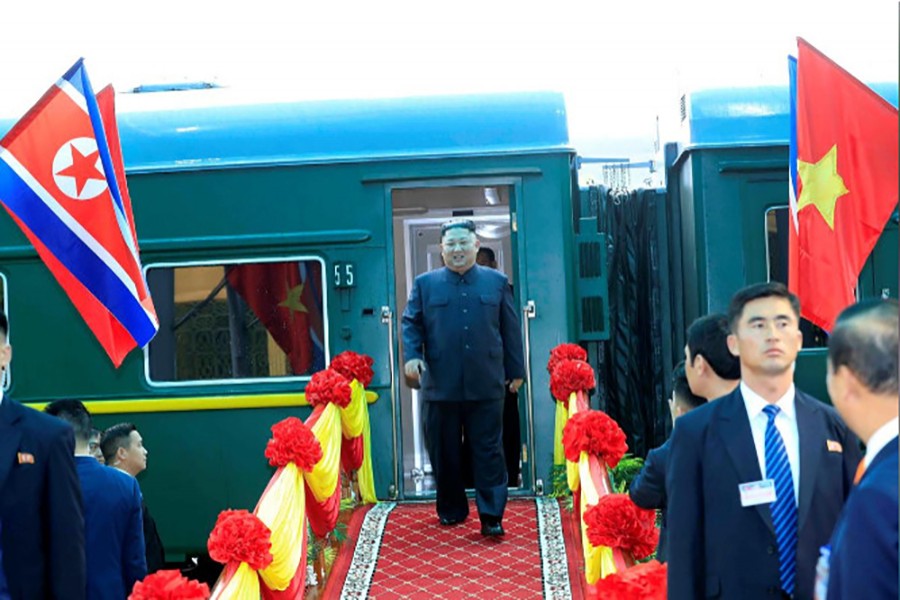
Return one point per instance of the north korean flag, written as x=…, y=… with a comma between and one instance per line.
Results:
x=58, y=181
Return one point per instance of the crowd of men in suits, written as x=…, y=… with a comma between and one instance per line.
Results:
x=73, y=523
x=763, y=488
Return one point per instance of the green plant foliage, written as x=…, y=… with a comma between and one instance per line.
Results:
x=625, y=472
x=559, y=483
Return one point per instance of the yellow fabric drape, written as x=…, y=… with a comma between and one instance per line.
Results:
x=323, y=479
x=598, y=560
x=559, y=453
x=355, y=414
x=283, y=509
x=243, y=585
x=572, y=467
x=366, y=476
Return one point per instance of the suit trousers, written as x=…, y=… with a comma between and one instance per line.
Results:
x=483, y=423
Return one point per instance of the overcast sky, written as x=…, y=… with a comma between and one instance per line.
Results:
x=619, y=63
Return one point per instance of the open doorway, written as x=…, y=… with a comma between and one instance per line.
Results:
x=418, y=213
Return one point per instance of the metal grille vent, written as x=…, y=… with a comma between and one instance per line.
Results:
x=589, y=260
x=592, y=310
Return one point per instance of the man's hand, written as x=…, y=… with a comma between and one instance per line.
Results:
x=514, y=385
x=414, y=369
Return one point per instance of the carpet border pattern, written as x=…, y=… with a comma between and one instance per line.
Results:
x=365, y=555
x=554, y=562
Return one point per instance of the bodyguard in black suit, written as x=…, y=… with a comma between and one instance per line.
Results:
x=754, y=491
x=862, y=383
x=41, y=522
x=462, y=342
x=648, y=489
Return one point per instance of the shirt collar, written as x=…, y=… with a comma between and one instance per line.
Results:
x=881, y=438
x=755, y=403
x=468, y=276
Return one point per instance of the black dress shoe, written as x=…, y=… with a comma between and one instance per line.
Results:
x=492, y=530
x=447, y=522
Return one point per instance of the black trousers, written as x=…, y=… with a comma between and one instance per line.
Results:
x=482, y=421
x=512, y=444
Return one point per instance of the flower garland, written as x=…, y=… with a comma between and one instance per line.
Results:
x=293, y=442
x=169, y=585
x=594, y=432
x=646, y=581
x=328, y=387
x=354, y=366
x=565, y=352
x=615, y=521
x=240, y=537
x=571, y=376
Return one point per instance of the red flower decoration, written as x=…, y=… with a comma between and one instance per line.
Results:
x=328, y=386
x=169, y=585
x=571, y=376
x=565, y=352
x=646, y=581
x=293, y=442
x=594, y=432
x=354, y=366
x=240, y=536
x=617, y=522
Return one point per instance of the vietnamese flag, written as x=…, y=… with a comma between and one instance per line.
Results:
x=844, y=166
x=279, y=297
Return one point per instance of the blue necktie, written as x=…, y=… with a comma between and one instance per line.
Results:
x=784, y=509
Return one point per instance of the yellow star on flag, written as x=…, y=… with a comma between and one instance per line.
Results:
x=293, y=302
x=822, y=185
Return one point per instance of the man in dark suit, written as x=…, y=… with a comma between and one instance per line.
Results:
x=648, y=489
x=123, y=448
x=712, y=370
x=862, y=383
x=462, y=342
x=756, y=479
x=41, y=522
x=112, y=513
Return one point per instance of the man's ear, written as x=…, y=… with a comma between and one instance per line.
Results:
x=732, y=342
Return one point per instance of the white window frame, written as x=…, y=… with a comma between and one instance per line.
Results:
x=241, y=380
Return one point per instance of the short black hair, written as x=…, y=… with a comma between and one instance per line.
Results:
x=467, y=224
x=754, y=292
x=75, y=414
x=117, y=436
x=708, y=337
x=682, y=391
x=489, y=252
x=865, y=341
x=4, y=326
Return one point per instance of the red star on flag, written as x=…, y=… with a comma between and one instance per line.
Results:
x=83, y=168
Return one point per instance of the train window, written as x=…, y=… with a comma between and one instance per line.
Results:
x=237, y=321
x=5, y=380
x=777, y=223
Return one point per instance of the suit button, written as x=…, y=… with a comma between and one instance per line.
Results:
x=464, y=294
x=771, y=549
x=465, y=310
x=467, y=346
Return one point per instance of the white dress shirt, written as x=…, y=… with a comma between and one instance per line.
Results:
x=881, y=438
x=785, y=422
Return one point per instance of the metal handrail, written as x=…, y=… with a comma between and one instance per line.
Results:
x=387, y=318
x=529, y=311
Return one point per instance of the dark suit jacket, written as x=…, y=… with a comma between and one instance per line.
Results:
x=716, y=547
x=113, y=529
x=864, y=544
x=466, y=329
x=40, y=506
x=156, y=555
x=648, y=490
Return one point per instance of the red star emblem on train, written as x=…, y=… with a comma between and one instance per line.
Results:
x=77, y=169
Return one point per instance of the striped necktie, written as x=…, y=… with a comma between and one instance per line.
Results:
x=784, y=509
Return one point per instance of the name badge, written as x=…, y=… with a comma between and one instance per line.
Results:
x=757, y=492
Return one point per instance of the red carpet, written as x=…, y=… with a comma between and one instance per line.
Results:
x=403, y=553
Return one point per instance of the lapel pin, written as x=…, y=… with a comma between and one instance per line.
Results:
x=834, y=446
x=26, y=458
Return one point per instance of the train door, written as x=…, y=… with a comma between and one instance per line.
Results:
x=417, y=214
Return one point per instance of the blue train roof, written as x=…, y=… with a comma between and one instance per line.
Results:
x=746, y=116
x=189, y=130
